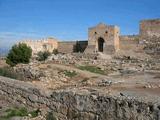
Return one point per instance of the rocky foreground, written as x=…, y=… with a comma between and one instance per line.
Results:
x=88, y=87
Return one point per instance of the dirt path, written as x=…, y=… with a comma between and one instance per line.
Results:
x=82, y=72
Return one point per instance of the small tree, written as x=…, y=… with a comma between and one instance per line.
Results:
x=42, y=56
x=55, y=52
x=77, y=47
x=20, y=53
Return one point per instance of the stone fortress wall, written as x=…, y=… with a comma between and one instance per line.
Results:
x=130, y=42
x=72, y=46
x=103, y=38
x=66, y=46
x=150, y=34
x=149, y=28
x=48, y=44
x=106, y=39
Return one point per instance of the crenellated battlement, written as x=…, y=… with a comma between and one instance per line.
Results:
x=102, y=38
x=48, y=44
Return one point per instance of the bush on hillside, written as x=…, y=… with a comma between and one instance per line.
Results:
x=20, y=53
x=42, y=56
x=8, y=72
x=55, y=52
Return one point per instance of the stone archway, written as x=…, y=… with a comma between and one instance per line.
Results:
x=100, y=44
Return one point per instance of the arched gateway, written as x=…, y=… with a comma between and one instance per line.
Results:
x=100, y=44
x=103, y=38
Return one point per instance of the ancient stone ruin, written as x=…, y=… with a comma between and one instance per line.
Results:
x=48, y=44
x=103, y=38
x=107, y=77
x=150, y=28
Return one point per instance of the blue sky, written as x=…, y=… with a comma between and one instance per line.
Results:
x=70, y=19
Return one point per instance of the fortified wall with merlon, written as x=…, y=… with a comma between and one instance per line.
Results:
x=103, y=38
x=48, y=44
x=107, y=39
x=149, y=28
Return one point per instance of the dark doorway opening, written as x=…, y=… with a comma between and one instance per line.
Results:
x=100, y=44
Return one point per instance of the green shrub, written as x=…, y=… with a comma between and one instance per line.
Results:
x=93, y=69
x=8, y=72
x=55, y=52
x=70, y=73
x=34, y=113
x=19, y=112
x=78, y=47
x=16, y=112
x=42, y=56
x=20, y=53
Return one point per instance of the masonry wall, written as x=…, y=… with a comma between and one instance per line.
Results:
x=130, y=42
x=66, y=47
x=71, y=46
x=77, y=105
x=81, y=46
x=152, y=46
x=110, y=35
x=48, y=44
x=149, y=28
x=150, y=34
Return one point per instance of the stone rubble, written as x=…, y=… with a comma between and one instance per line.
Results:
x=124, y=74
x=83, y=103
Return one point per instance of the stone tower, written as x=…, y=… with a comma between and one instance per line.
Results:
x=150, y=28
x=103, y=38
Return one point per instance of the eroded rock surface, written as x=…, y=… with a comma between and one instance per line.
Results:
x=83, y=102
